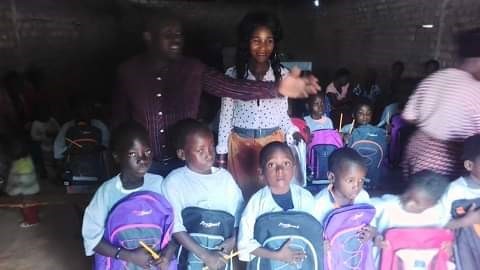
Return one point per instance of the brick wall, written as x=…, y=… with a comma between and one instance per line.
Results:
x=69, y=40
x=374, y=33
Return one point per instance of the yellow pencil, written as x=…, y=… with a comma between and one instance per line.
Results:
x=155, y=256
x=353, y=125
x=341, y=121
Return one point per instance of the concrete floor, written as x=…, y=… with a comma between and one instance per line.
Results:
x=54, y=244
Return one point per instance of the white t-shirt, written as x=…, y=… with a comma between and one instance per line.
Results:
x=260, y=203
x=390, y=214
x=216, y=191
x=324, y=203
x=106, y=196
x=461, y=188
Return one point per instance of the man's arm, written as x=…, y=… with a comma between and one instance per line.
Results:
x=293, y=86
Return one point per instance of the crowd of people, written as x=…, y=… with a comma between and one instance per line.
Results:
x=246, y=167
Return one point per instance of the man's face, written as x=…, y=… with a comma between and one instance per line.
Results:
x=166, y=40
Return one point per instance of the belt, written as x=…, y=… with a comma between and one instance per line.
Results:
x=254, y=133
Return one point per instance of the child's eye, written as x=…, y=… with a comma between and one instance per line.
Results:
x=287, y=164
x=148, y=152
x=269, y=165
x=132, y=154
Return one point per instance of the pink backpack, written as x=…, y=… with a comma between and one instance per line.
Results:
x=417, y=248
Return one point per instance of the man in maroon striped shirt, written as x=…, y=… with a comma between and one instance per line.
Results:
x=160, y=87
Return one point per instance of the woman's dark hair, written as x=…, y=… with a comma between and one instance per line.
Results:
x=245, y=30
x=268, y=150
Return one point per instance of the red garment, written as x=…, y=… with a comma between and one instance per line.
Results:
x=160, y=98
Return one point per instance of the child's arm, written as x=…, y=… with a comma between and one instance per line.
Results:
x=212, y=259
x=229, y=244
x=284, y=254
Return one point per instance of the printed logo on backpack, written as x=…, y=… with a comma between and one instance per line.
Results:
x=209, y=228
x=345, y=250
x=141, y=216
x=273, y=230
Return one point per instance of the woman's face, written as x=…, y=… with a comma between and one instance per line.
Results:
x=261, y=44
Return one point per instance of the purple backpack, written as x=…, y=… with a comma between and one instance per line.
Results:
x=400, y=132
x=345, y=251
x=143, y=215
x=322, y=144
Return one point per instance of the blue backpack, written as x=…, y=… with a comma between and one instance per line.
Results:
x=272, y=230
x=209, y=228
x=371, y=143
x=141, y=216
x=345, y=251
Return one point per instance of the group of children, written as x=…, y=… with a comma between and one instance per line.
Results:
x=426, y=201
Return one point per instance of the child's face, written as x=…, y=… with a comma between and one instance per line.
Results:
x=199, y=152
x=316, y=106
x=261, y=44
x=473, y=167
x=137, y=159
x=416, y=201
x=363, y=115
x=278, y=171
x=349, y=181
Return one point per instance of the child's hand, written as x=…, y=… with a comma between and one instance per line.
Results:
x=139, y=257
x=286, y=254
x=228, y=245
x=162, y=263
x=367, y=233
x=297, y=137
x=380, y=242
x=214, y=260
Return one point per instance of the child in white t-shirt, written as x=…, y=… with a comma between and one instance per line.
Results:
x=467, y=187
x=200, y=184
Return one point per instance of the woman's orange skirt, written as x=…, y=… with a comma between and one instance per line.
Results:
x=243, y=160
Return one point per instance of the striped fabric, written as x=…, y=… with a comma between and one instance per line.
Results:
x=446, y=105
x=426, y=153
x=446, y=109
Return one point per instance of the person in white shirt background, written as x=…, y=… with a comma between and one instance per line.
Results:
x=199, y=184
x=246, y=126
x=277, y=171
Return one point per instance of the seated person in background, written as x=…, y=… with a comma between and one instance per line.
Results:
x=277, y=167
x=466, y=187
x=200, y=184
x=82, y=111
x=317, y=119
x=340, y=97
x=431, y=66
x=399, y=99
x=131, y=150
x=368, y=88
x=362, y=116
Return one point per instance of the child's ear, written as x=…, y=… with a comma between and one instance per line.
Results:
x=181, y=154
x=147, y=36
x=116, y=157
x=468, y=165
x=331, y=177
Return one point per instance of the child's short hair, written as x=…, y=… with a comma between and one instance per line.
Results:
x=185, y=128
x=124, y=134
x=272, y=147
x=362, y=102
x=312, y=98
x=343, y=72
x=344, y=155
x=471, y=148
x=432, y=183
